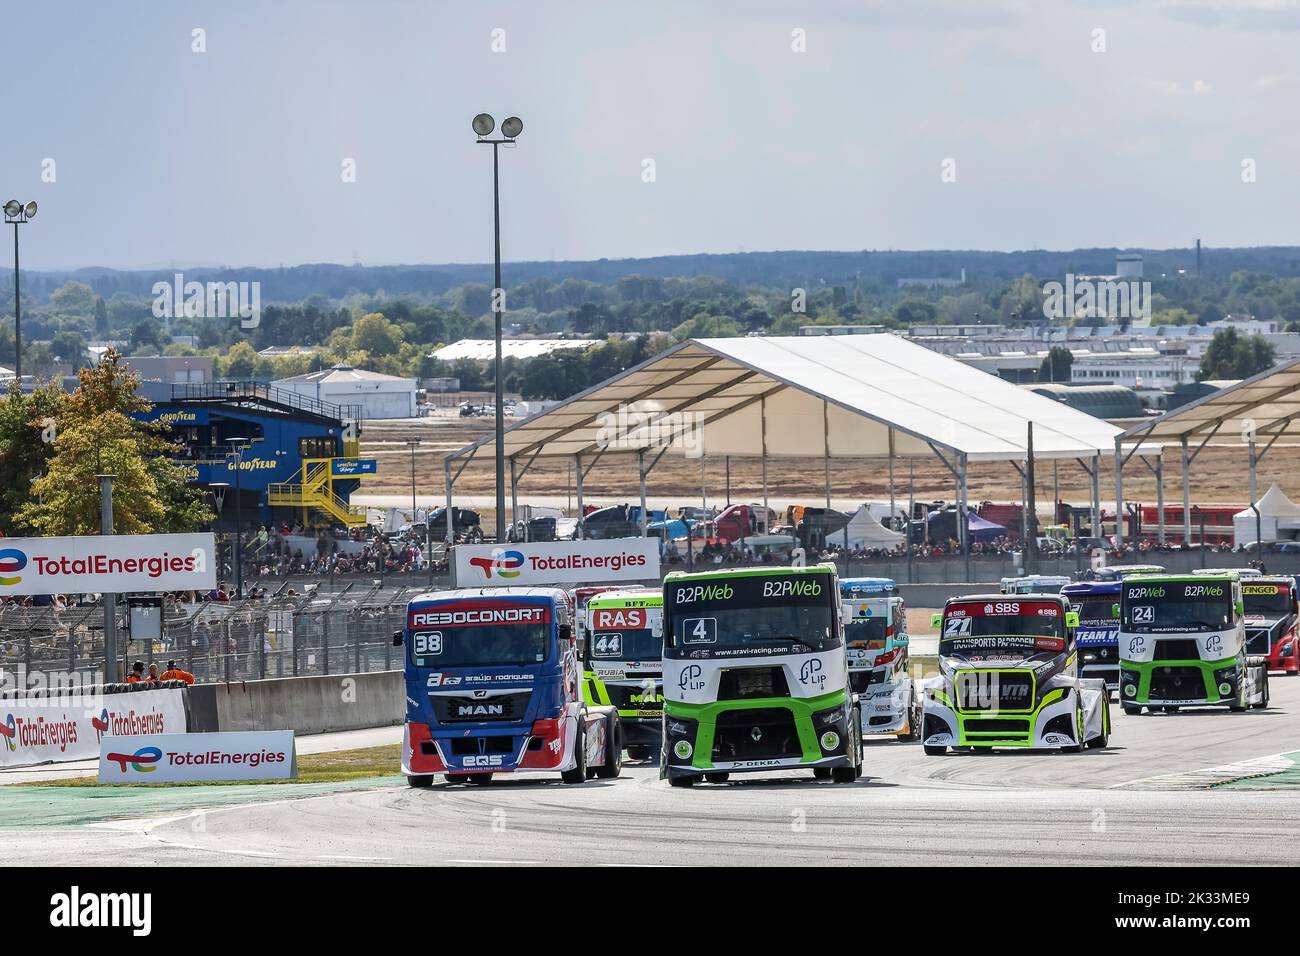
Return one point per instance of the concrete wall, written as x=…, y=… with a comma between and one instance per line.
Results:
x=305, y=705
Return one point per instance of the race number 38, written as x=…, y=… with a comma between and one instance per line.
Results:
x=700, y=630
x=428, y=642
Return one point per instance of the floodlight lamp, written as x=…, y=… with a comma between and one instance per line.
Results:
x=512, y=127
x=484, y=124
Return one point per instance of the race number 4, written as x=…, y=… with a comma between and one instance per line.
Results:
x=700, y=630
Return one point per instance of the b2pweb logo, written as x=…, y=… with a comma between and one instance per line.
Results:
x=11, y=562
x=506, y=565
x=141, y=761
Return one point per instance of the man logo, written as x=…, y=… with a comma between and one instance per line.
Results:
x=11, y=562
x=480, y=710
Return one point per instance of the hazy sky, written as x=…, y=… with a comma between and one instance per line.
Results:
x=234, y=156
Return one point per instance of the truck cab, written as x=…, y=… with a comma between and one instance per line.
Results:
x=876, y=641
x=755, y=676
x=622, y=657
x=493, y=685
x=1182, y=643
x=1271, y=614
x=1008, y=678
x=1035, y=584
x=1097, y=636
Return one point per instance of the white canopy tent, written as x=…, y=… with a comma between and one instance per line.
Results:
x=860, y=396
x=1277, y=514
x=1264, y=407
x=864, y=530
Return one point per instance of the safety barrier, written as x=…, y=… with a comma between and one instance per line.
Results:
x=305, y=705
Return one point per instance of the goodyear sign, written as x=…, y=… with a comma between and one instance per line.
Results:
x=175, y=417
x=349, y=467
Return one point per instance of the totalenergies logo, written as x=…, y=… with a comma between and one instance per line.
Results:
x=100, y=724
x=141, y=761
x=9, y=730
x=505, y=565
x=11, y=562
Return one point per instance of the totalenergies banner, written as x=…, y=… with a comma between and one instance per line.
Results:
x=37, y=730
x=116, y=564
x=557, y=562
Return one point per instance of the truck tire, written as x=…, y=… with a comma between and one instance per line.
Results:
x=613, y=764
x=639, y=752
x=821, y=773
x=913, y=721
x=851, y=773
x=938, y=751
x=1263, y=693
x=1132, y=710
x=579, y=772
x=720, y=777
x=420, y=781
x=685, y=780
x=480, y=779
x=458, y=777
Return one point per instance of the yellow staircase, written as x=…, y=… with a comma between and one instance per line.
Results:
x=315, y=490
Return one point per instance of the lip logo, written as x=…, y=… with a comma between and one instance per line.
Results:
x=811, y=673
x=1137, y=645
x=141, y=761
x=505, y=566
x=1214, y=644
x=11, y=562
x=9, y=730
x=690, y=678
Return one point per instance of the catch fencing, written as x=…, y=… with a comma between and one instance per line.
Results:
x=289, y=635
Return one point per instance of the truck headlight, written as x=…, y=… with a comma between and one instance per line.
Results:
x=1288, y=648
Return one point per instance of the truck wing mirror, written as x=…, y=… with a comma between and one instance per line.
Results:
x=566, y=632
x=846, y=612
x=397, y=638
x=1241, y=607
x=936, y=620
x=1071, y=618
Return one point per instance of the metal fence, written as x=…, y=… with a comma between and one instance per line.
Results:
x=349, y=630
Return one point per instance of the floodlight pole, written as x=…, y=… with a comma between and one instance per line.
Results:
x=1187, y=498
x=18, y=321
x=110, y=600
x=1119, y=495
x=1030, y=523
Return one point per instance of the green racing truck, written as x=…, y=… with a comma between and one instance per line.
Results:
x=622, y=663
x=756, y=676
x=1182, y=643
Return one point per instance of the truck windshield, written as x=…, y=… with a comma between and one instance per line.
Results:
x=770, y=614
x=482, y=634
x=1097, y=610
x=868, y=633
x=1003, y=628
x=625, y=645
x=1177, y=607
x=1267, y=600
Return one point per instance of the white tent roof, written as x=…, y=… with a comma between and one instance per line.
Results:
x=484, y=350
x=866, y=531
x=1273, y=504
x=805, y=396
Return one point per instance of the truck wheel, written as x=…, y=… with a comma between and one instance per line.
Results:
x=821, y=773
x=721, y=777
x=420, y=782
x=1132, y=710
x=480, y=779
x=1263, y=694
x=913, y=722
x=685, y=780
x=458, y=777
x=639, y=753
x=579, y=772
x=934, y=751
x=613, y=764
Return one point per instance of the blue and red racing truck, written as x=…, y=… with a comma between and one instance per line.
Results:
x=494, y=685
x=1097, y=636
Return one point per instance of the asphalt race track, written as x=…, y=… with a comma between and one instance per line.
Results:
x=1140, y=802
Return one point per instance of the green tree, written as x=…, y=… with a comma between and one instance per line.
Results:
x=914, y=311
x=706, y=326
x=241, y=362
x=147, y=338
x=95, y=434
x=28, y=427
x=375, y=334
x=1231, y=356
x=1056, y=365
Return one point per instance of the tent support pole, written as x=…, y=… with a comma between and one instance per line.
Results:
x=1254, y=462
x=963, y=512
x=640, y=467
x=762, y=421
x=704, y=504
x=1187, y=497
x=911, y=510
x=893, y=510
x=446, y=476
x=1096, y=496
x=727, y=464
x=514, y=494
x=826, y=451
x=577, y=473
x=1119, y=495
x=1160, y=496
